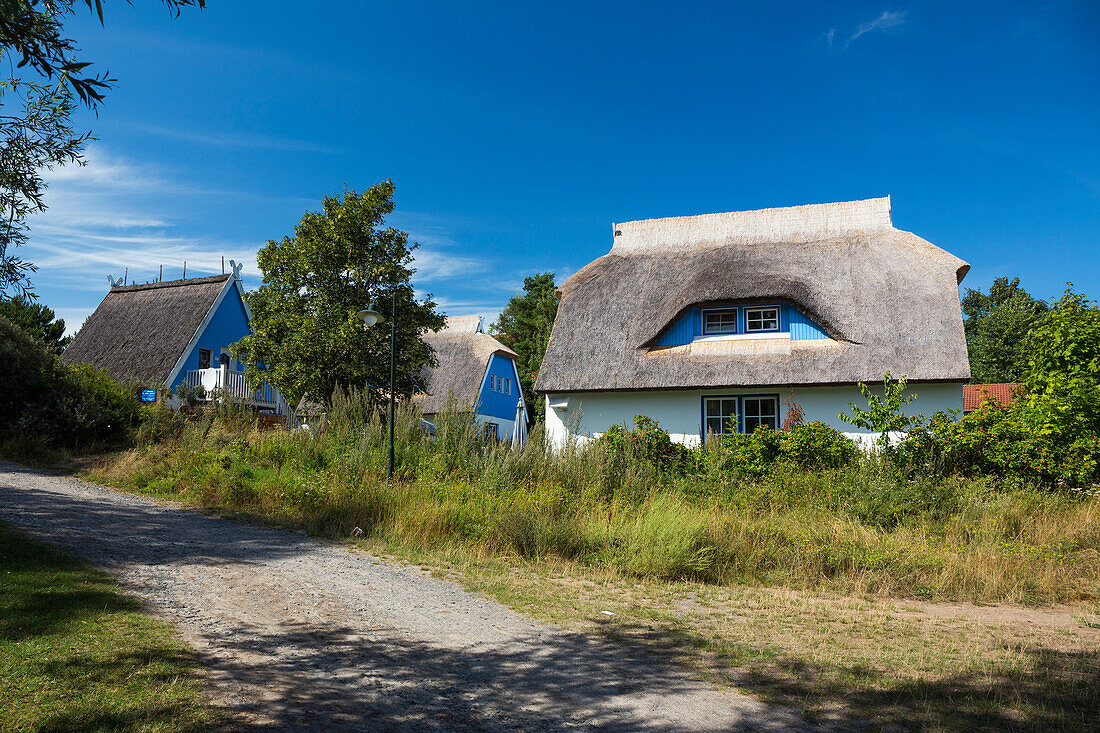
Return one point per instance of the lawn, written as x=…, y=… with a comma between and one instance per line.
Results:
x=78, y=655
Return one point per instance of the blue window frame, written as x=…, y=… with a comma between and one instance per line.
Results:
x=723, y=414
x=719, y=321
x=761, y=319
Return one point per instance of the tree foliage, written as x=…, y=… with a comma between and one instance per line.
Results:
x=36, y=106
x=37, y=320
x=885, y=414
x=1061, y=368
x=525, y=326
x=307, y=337
x=997, y=325
x=44, y=400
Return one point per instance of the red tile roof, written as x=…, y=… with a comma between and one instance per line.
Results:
x=1001, y=394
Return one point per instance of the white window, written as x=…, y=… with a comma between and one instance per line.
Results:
x=493, y=382
x=720, y=321
x=507, y=386
x=761, y=319
x=721, y=415
x=204, y=358
x=761, y=411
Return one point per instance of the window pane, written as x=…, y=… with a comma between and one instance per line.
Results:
x=762, y=319
x=751, y=423
x=714, y=408
x=714, y=425
x=720, y=321
x=752, y=408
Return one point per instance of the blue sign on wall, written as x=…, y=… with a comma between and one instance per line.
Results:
x=148, y=395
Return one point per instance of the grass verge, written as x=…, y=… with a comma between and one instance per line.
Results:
x=77, y=655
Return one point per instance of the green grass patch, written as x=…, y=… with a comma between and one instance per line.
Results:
x=78, y=655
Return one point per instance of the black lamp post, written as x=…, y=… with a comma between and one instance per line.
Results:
x=372, y=317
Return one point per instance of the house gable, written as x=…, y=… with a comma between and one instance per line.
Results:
x=500, y=391
x=227, y=322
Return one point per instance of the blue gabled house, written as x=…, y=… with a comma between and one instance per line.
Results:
x=167, y=335
x=477, y=372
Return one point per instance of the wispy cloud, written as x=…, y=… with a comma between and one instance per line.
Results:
x=239, y=140
x=888, y=19
x=110, y=215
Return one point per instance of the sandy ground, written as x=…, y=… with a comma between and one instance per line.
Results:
x=298, y=634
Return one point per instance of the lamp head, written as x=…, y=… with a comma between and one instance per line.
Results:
x=371, y=316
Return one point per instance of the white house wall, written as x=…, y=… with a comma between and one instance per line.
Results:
x=680, y=412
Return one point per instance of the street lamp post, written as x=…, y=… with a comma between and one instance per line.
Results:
x=372, y=317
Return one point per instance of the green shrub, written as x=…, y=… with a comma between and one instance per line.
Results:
x=646, y=442
x=1010, y=443
x=813, y=445
x=816, y=445
x=65, y=406
x=158, y=424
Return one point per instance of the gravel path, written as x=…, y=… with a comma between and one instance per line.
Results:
x=299, y=634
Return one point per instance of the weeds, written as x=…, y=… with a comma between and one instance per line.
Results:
x=855, y=528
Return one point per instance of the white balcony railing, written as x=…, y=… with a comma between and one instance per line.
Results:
x=227, y=382
x=220, y=381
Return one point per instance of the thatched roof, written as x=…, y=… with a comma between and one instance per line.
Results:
x=462, y=354
x=888, y=298
x=139, y=332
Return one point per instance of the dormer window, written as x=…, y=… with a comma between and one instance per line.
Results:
x=720, y=322
x=761, y=319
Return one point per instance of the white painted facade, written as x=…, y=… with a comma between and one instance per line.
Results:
x=680, y=412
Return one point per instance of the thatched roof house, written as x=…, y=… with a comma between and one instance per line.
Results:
x=473, y=369
x=140, y=332
x=819, y=295
x=167, y=334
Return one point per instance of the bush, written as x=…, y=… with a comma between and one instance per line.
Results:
x=63, y=405
x=1012, y=443
x=816, y=445
x=813, y=445
x=646, y=443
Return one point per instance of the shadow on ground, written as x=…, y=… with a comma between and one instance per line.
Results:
x=1053, y=690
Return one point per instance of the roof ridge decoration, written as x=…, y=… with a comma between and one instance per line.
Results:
x=791, y=223
x=169, y=283
x=462, y=324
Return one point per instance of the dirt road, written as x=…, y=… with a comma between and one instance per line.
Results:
x=303, y=635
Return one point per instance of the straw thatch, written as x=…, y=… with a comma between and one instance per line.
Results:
x=888, y=298
x=139, y=332
x=462, y=354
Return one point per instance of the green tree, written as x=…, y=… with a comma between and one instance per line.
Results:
x=307, y=337
x=36, y=106
x=997, y=325
x=524, y=326
x=1061, y=368
x=37, y=320
x=884, y=415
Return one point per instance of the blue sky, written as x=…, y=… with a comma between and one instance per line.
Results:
x=517, y=135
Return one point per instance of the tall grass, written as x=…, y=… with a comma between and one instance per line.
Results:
x=859, y=528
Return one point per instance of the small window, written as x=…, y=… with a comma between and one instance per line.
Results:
x=761, y=411
x=204, y=358
x=493, y=382
x=507, y=386
x=721, y=415
x=720, y=321
x=761, y=319
x=489, y=431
